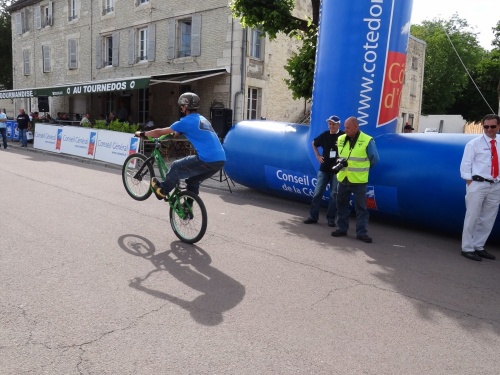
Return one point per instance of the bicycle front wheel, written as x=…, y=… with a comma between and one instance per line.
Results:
x=136, y=176
x=188, y=217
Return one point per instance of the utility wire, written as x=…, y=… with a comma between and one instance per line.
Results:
x=480, y=93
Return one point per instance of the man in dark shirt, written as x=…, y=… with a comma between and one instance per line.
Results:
x=23, y=121
x=328, y=143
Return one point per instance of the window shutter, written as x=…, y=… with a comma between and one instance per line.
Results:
x=26, y=61
x=72, y=54
x=19, y=24
x=77, y=8
x=151, y=42
x=50, y=13
x=46, y=58
x=98, y=52
x=131, y=47
x=171, y=39
x=116, y=48
x=196, y=35
x=38, y=18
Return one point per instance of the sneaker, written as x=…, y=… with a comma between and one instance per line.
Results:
x=338, y=233
x=365, y=238
x=310, y=221
x=155, y=184
x=188, y=211
x=331, y=223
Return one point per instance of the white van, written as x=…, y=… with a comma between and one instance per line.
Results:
x=431, y=130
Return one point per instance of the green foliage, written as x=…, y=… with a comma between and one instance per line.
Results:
x=486, y=75
x=5, y=47
x=115, y=125
x=275, y=16
x=301, y=67
x=445, y=77
x=496, y=33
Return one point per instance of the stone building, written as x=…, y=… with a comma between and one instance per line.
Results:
x=135, y=57
x=411, y=97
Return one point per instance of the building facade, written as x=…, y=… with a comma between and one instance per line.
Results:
x=135, y=57
x=411, y=97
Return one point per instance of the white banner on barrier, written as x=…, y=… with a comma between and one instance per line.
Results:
x=48, y=137
x=78, y=141
x=114, y=147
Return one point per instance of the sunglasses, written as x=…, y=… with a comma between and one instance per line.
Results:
x=490, y=126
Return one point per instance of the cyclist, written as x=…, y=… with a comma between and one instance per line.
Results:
x=210, y=156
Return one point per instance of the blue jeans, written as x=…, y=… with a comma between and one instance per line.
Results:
x=191, y=169
x=362, y=215
x=3, y=131
x=324, y=178
x=22, y=137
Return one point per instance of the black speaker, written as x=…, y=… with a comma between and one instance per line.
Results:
x=222, y=120
x=43, y=104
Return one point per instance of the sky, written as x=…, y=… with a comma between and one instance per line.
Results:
x=481, y=14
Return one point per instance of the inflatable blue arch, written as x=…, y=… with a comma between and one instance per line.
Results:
x=359, y=72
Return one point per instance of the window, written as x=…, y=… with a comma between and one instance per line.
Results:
x=22, y=21
x=253, y=103
x=46, y=58
x=72, y=11
x=107, y=48
x=414, y=63
x=142, y=45
x=108, y=51
x=26, y=62
x=143, y=105
x=107, y=6
x=72, y=54
x=184, y=37
x=43, y=15
x=139, y=2
x=255, y=44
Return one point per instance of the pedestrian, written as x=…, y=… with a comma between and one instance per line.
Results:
x=328, y=158
x=408, y=128
x=357, y=155
x=479, y=168
x=23, y=122
x=86, y=121
x=210, y=156
x=3, y=128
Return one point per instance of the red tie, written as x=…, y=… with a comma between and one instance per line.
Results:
x=494, y=159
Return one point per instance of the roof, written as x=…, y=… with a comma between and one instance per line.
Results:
x=20, y=4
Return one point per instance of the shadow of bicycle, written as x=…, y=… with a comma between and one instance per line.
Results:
x=191, y=265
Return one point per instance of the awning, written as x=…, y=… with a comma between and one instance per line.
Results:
x=93, y=87
x=133, y=83
x=183, y=78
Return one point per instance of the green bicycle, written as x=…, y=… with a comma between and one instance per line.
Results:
x=188, y=215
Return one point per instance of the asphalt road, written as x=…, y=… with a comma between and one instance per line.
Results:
x=93, y=282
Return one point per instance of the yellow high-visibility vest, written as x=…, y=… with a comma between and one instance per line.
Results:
x=358, y=162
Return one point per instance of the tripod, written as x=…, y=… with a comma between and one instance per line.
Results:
x=223, y=177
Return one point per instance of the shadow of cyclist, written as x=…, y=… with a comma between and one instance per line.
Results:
x=192, y=266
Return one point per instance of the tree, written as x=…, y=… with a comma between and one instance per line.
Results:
x=445, y=77
x=275, y=16
x=5, y=47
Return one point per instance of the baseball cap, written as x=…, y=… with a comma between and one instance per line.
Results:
x=335, y=119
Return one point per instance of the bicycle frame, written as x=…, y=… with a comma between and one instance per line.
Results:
x=173, y=197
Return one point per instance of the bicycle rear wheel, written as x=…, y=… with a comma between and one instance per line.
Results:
x=136, y=176
x=188, y=217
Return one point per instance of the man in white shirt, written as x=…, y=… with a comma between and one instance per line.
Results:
x=480, y=169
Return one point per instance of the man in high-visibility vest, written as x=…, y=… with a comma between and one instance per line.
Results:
x=359, y=153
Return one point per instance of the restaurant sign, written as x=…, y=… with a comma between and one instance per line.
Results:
x=80, y=89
